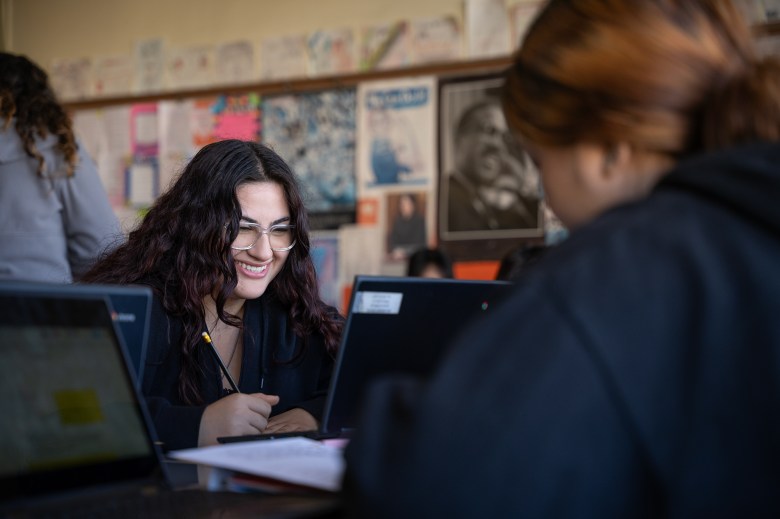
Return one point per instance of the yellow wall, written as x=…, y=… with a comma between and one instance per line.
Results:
x=49, y=29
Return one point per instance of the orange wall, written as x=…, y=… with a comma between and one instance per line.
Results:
x=475, y=269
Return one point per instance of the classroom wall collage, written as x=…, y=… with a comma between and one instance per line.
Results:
x=357, y=149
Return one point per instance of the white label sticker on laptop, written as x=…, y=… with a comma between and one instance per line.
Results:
x=377, y=303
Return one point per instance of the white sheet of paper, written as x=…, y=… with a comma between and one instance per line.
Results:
x=283, y=57
x=487, y=28
x=235, y=62
x=436, y=39
x=71, y=78
x=191, y=67
x=295, y=460
x=150, y=65
x=142, y=183
x=113, y=75
x=520, y=17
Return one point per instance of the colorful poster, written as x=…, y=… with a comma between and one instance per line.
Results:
x=202, y=121
x=237, y=117
x=396, y=124
x=315, y=134
x=397, y=164
x=325, y=254
x=143, y=130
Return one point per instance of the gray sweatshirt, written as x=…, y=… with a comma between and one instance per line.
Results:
x=52, y=228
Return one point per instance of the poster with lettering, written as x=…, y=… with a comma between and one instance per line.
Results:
x=397, y=162
x=396, y=124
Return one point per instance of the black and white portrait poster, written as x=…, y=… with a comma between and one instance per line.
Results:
x=489, y=190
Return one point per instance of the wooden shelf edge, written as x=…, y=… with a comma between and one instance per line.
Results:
x=309, y=84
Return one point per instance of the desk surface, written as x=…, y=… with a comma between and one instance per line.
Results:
x=282, y=506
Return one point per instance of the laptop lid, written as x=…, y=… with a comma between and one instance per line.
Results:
x=72, y=416
x=399, y=325
x=131, y=307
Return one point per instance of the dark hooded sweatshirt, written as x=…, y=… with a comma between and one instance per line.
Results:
x=634, y=372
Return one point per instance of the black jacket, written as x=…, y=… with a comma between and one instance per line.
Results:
x=635, y=371
x=272, y=352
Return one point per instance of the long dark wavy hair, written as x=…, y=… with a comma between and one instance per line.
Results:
x=181, y=249
x=25, y=94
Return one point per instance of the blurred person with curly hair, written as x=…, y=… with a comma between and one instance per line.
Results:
x=55, y=217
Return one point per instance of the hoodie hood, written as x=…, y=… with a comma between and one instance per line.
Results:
x=11, y=147
x=744, y=179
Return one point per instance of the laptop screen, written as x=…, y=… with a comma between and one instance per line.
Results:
x=71, y=415
x=131, y=307
x=399, y=325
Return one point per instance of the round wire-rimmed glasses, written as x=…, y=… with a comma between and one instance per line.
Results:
x=279, y=236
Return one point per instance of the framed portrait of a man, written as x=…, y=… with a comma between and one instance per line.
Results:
x=489, y=190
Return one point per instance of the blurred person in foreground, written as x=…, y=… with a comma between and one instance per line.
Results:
x=55, y=217
x=635, y=372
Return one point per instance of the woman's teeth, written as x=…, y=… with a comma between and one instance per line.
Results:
x=252, y=268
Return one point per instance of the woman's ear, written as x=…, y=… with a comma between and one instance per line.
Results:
x=607, y=169
x=607, y=173
x=617, y=160
x=626, y=173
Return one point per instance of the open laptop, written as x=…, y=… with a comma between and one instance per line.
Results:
x=394, y=325
x=131, y=307
x=75, y=434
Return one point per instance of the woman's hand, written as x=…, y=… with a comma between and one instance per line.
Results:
x=235, y=415
x=295, y=419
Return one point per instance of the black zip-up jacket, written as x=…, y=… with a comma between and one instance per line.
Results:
x=272, y=354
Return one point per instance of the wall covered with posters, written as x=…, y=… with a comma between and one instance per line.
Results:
x=396, y=156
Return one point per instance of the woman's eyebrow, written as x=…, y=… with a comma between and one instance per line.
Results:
x=275, y=222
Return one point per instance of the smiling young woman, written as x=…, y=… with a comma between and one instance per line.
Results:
x=226, y=251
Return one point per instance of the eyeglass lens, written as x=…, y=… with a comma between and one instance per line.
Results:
x=280, y=236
